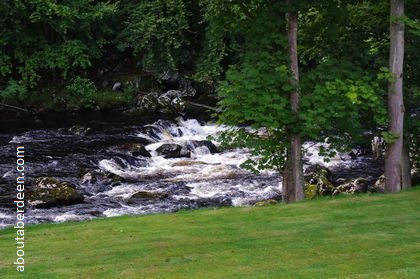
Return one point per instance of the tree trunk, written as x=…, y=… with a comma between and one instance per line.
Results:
x=395, y=99
x=288, y=190
x=405, y=168
x=293, y=175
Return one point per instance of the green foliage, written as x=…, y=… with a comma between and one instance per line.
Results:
x=267, y=147
x=14, y=91
x=40, y=39
x=156, y=32
x=339, y=100
x=81, y=92
x=390, y=137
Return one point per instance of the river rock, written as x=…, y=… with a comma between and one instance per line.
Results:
x=100, y=180
x=359, y=185
x=148, y=102
x=168, y=128
x=316, y=170
x=379, y=185
x=164, y=103
x=191, y=145
x=152, y=132
x=136, y=149
x=50, y=192
x=88, y=178
x=80, y=130
x=168, y=150
x=169, y=78
x=178, y=105
x=318, y=181
x=146, y=196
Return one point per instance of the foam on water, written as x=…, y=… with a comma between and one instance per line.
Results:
x=8, y=174
x=71, y=217
x=312, y=155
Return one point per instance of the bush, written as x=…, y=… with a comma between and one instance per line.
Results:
x=14, y=91
x=81, y=92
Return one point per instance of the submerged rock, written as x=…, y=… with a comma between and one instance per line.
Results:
x=88, y=178
x=188, y=163
x=136, y=149
x=50, y=192
x=152, y=132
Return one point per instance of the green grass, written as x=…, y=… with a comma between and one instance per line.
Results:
x=369, y=236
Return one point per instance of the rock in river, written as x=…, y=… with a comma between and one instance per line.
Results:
x=50, y=192
x=168, y=150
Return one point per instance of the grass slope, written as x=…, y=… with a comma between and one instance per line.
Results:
x=376, y=236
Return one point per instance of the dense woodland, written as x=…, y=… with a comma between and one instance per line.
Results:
x=293, y=70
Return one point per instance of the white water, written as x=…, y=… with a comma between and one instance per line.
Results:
x=208, y=176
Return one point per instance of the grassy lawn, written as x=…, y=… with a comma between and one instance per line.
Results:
x=369, y=236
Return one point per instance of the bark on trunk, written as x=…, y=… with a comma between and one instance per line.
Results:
x=293, y=178
x=395, y=99
x=405, y=168
x=288, y=191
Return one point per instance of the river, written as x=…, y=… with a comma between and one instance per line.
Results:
x=126, y=182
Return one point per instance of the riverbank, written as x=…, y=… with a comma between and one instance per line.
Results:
x=366, y=236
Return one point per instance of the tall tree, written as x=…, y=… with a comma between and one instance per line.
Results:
x=393, y=159
x=293, y=174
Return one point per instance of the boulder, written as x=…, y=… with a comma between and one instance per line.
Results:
x=146, y=196
x=171, y=94
x=148, y=102
x=164, y=104
x=359, y=185
x=316, y=170
x=178, y=105
x=379, y=185
x=169, y=78
x=50, y=192
x=318, y=181
x=193, y=144
x=168, y=150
